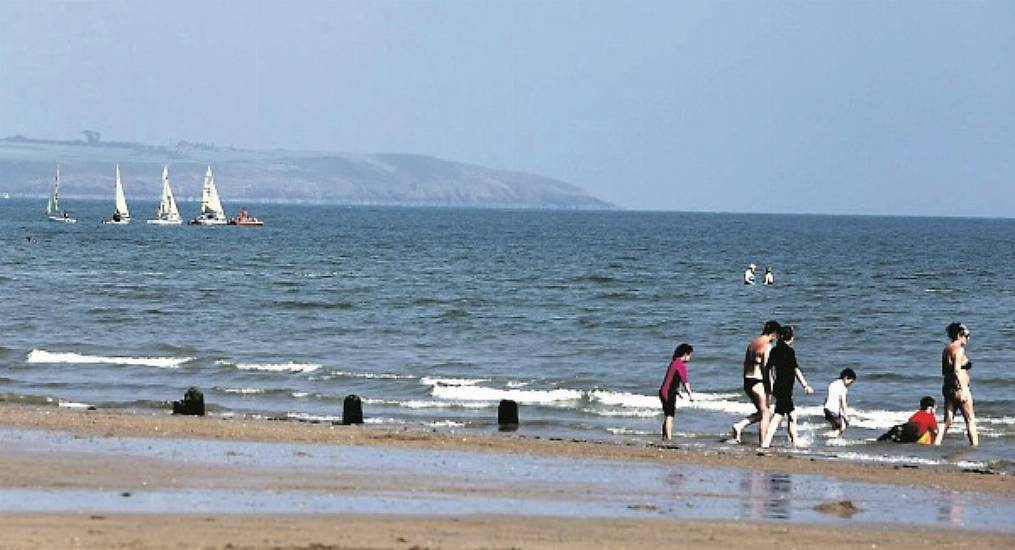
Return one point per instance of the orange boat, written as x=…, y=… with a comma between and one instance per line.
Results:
x=245, y=219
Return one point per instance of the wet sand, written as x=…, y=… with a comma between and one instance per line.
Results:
x=90, y=470
x=123, y=424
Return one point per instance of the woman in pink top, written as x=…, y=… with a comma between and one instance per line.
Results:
x=676, y=375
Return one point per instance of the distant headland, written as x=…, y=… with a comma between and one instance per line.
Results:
x=27, y=166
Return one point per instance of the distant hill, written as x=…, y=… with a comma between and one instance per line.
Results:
x=27, y=167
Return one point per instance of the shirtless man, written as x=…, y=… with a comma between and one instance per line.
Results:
x=757, y=381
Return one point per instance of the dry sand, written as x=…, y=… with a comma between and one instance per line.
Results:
x=319, y=533
x=61, y=530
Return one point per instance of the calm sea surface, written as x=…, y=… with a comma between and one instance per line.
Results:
x=433, y=315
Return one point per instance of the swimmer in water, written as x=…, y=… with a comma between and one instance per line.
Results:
x=757, y=382
x=769, y=278
x=749, y=274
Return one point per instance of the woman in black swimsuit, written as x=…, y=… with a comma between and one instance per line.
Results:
x=955, y=366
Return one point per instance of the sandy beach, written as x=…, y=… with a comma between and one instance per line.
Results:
x=117, y=474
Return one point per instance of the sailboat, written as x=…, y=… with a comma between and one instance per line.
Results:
x=121, y=216
x=53, y=211
x=211, y=207
x=167, y=213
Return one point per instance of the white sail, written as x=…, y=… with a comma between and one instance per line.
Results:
x=53, y=211
x=211, y=206
x=172, y=213
x=53, y=206
x=121, y=200
x=167, y=213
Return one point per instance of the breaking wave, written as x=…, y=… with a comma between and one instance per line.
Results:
x=42, y=356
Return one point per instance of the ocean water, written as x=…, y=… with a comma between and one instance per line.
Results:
x=434, y=315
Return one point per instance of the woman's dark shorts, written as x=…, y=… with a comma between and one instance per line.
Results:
x=835, y=418
x=669, y=405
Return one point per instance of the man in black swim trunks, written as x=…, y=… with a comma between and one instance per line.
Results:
x=783, y=364
x=756, y=381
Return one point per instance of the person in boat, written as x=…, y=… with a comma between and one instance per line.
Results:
x=920, y=428
x=757, y=382
x=116, y=217
x=955, y=367
x=66, y=214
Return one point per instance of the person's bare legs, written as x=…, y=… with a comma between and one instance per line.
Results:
x=773, y=426
x=760, y=415
x=949, y=418
x=791, y=428
x=967, y=412
x=738, y=428
x=838, y=427
x=668, y=428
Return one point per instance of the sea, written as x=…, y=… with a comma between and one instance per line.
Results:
x=432, y=316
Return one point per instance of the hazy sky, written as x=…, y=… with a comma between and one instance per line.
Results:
x=830, y=107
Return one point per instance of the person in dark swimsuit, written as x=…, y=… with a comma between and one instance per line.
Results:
x=783, y=363
x=958, y=395
x=757, y=384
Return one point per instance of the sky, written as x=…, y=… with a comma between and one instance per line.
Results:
x=854, y=107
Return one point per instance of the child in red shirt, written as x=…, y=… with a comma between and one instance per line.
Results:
x=920, y=428
x=925, y=424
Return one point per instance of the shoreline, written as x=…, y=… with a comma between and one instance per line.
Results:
x=99, y=479
x=164, y=425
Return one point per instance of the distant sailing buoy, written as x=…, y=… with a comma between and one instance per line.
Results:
x=507, y=414
x=192, y=404
x=352, y=410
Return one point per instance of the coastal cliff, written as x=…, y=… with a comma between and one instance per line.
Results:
x=27, y=167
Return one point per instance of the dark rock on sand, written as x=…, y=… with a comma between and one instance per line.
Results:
x=842, y=508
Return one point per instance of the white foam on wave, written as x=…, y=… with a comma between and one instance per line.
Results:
x=446, y=424
x=627, y=413
x=311, y=417
x=243, y=391
x=43, y=356
x=889, y=459
x=299, y=394
x=72, y=405
x=629, y=431
x=289, y=367
x=429, y=381
x=388, y=420
x=1002, y=420
x=479, y=393
x=719, y=402
x=624, y=399
x=369, y=375
x=429, y=404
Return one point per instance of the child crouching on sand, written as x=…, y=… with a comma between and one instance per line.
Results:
x=836, y=410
